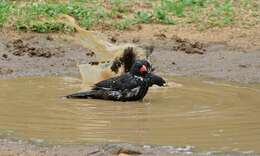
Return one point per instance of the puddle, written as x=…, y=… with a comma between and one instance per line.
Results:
x=206, y=114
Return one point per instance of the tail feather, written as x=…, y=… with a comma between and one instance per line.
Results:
x=79, y=95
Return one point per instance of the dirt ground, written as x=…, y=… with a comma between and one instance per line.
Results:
x=235, y=37
x=229, y=53
x=27, y=54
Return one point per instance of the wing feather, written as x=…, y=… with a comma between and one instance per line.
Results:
x=126, y=81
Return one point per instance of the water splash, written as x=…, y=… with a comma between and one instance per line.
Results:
x=104, y=50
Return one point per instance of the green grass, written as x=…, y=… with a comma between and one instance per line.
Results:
x=122, y=14
x=5, y=10
x=40, y=17
x=143, y=17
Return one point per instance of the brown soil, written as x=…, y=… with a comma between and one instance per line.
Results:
x=29, y=54
x=178, y=52
x=18, y=48
x=228, y=53
x=236, y=37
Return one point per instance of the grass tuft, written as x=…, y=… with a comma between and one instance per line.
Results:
x=42, y=16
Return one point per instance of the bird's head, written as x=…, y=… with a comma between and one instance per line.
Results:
x=148, y=65
x=140, y=68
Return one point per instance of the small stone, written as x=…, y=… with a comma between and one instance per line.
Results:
x=175, y=48
x=49, y=38
x=5, y=56
x=117, y=149
x=18, y=53
x=6, y=70
x=139, y=27
x=243, y=66
x=90, y=54
x=161, y=36
x=18, y=43
x=43, y=151
x=119, y=16
x=135, y=40
x=113, y=39
x=188, y=47
x=94, y=63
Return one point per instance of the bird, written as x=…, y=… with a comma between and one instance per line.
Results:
x=126, y=61
x=130, y=86
x=150, y=76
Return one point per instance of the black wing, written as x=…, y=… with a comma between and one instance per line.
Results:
x=125, y=81
x=116, y=88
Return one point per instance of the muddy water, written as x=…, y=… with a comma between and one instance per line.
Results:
x=207, y=114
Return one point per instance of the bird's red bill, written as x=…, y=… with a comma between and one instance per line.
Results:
x=143, y=69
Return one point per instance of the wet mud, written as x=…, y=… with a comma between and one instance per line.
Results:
x=173, y=55
x=188, y=46
x=19, y=48
x=30, y=148
x=42, y=55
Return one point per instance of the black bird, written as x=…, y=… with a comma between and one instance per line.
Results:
x=151, y=77
x=127, y=60
x=130, y=86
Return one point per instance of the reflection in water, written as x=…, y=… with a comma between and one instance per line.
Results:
x=206, y=114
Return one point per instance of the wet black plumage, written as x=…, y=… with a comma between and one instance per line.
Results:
x=130, y=86
x=127, y=60
x=151, y=77
x=155, y=80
